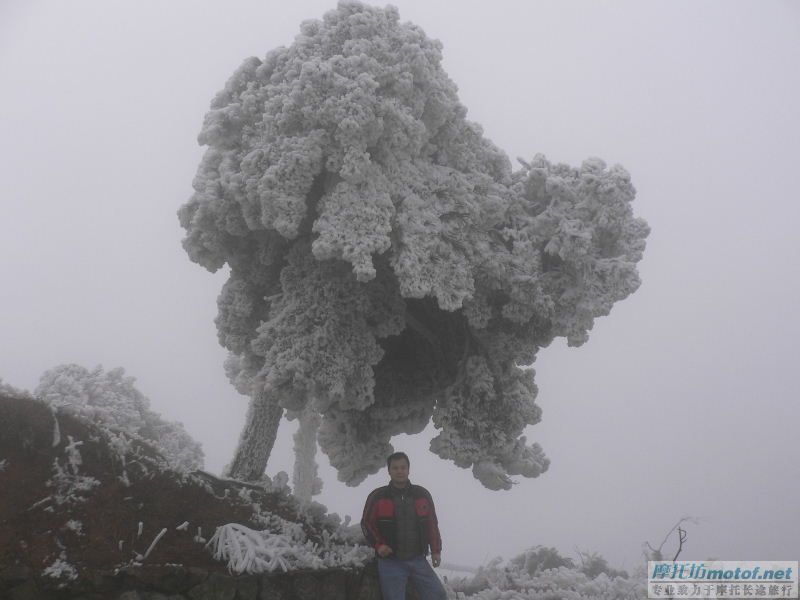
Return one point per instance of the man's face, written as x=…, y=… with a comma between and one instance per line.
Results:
x=398, y=472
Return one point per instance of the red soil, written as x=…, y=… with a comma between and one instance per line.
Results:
x=36, y=535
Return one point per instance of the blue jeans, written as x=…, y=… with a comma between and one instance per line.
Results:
x=394, y=573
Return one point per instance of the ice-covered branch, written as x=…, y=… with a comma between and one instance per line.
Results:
x=304, y=478
x=249, y=551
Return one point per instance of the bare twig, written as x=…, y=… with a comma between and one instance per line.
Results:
x=656, y=553
x=681, y=539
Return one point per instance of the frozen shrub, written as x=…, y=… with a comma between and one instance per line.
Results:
x=111, y=399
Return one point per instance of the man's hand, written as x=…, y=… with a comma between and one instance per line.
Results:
x=384, y=551
x=436, y=559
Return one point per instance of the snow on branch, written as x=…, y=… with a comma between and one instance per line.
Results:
x=152, y=545
x=246, y=550
x=68, y=484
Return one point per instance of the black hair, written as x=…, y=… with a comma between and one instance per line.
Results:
x=397, y=456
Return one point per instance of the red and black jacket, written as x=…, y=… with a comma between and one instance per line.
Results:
x=380, y=525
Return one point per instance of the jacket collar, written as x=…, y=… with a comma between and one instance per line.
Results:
x=393, y=489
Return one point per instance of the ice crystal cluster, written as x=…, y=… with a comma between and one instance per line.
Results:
x=246, y=550
x=317, y=539
x=61, y=569
x=542, y=574
x=386, y=264
x=69, y=486
x=111, y=399
x=562, y=583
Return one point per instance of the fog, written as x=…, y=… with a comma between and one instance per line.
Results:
x=684, y=400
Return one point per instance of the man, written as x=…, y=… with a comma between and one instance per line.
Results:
x=400, y=523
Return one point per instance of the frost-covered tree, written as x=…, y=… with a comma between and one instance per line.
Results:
x=305, y=481
x=8, y=390
x=386, y=264
x=593, y=564
x=110, y=398
x=540, y=558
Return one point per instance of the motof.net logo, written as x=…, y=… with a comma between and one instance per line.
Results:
x=722, y=579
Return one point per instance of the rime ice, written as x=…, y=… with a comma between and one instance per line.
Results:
x=111, y=399
x=387, y=265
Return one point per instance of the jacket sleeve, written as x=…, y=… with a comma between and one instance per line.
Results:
x=434, y=537
x=369, y=522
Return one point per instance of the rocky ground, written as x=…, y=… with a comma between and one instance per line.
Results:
x=77, y=499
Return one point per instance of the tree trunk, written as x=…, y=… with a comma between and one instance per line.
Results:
x=304, y=479
x=256, y=440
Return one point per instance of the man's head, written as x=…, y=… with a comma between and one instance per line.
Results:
x=398, y=465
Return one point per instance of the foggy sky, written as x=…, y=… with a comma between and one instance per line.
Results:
x=683, y=402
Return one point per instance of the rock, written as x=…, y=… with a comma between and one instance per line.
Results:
x=370, y=588
x=26, y=591
x=306, y=586
x=216, y=587
x=140, y=595
x=152, y=583
x=169, y=579
x=333, y=586
x=271, y=589
x=353, y=582
x=102, y=581
x=130, y=595
x=15, y=574
x=247, y=587
x=195, y=576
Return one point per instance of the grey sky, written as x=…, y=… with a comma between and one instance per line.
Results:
x=684, y=401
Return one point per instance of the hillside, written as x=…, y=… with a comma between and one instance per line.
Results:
x=91, y=513
x=81, y=503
